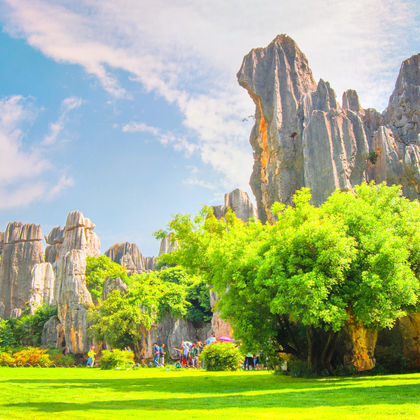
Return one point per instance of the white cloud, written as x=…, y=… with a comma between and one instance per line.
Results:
x=21, y=170
x=189, y=52
x=55, y=128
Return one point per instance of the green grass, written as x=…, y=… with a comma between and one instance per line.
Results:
x=60, y=393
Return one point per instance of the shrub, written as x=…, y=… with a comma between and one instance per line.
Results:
x=116, y=359
x=6, y=359
x=58, y=358
x=221, y=356
x=32, y=356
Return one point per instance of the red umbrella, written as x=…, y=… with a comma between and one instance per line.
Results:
x=225, y=339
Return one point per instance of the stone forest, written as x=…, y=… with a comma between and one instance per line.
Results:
x=303, y=137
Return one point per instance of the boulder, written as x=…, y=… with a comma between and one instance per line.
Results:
x=22, y=249
x=302, y=137
x=54, y=240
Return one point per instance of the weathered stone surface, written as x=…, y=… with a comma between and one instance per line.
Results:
x=167, y=245
x=49, y=336
x=42, y=286
x=71, y=294
x=111, y=285
x=1, y=242
x=302, y=137
x=54, y=240
x=361, y=347
x=171, y=332
x=409, y=327
x=239, y=202
x=22, y=249
x=129, y=256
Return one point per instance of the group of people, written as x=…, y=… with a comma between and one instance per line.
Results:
x=252, y=361
x=190, y=353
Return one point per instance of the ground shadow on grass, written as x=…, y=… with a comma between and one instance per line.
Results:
x=286, y=398
x=206, y=384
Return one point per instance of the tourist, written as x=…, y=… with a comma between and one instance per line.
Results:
x=91, y=357
x=156, y=352
x=162, y=355
x=185, y=352
x=193, y=355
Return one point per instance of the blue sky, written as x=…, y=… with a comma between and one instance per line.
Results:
x=130, y=111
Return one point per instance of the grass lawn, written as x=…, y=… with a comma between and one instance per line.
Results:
x=80, y=393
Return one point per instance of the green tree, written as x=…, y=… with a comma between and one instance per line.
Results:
x=126, y=319
x=295, y=284
x=98, y=269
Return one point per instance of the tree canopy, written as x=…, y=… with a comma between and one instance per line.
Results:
x=353, y=259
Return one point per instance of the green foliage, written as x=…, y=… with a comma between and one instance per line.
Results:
x=27, y=329
x=123, y=320
x=7, y=336
x=59, y=359
x=98, y=269
x=117, y=358
x=32, y=356
x=221, y=356
x=357, y=257
x=198, y=296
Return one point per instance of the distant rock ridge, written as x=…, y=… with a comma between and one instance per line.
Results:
x=302, y=137
x=129, y=256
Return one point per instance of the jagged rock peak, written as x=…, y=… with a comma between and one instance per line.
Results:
x=239, y=202
x=75, y=219
x=302, y=137
x=129, y=256
x=18, y=232
x=403, y=111
x=167, y=244
x=56, y=236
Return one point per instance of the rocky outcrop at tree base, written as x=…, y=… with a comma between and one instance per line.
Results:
x=22, y=249
x=129, y=256
x=302, y=137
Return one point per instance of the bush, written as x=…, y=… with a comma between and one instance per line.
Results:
x=32, y=356
x=221, y=356
x=58, y=359
x=116, y=359
x=6, y=359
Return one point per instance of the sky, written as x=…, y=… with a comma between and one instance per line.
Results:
x=130, y=111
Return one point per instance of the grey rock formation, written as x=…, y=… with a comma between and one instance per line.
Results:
x=129, y=256
x=54, y=240
x=43, y=286
x=1, y=242
x=113, y=284
x=50, y=332
x=302, y=137
x=171, y=332
x=239, y=202
x=72, y=295
x=22, y=249
x=167, y=244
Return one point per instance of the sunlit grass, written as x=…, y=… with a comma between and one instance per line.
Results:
x=80, y=393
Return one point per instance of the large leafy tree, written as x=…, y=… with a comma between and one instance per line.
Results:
x=354, y=259
x=127, y=318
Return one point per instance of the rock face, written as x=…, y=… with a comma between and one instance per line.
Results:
x=409, y=327
x=22, y=249
x=50, y=332
x=166, y=245
x=302, y=137
x=239, y=202
x=171, y=332
x=113, y=284
x=129, y=256
x=1, y=242
x=43, y=286
x=54, y=240
x=72, y=296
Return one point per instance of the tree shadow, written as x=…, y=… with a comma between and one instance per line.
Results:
x=287, y=397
